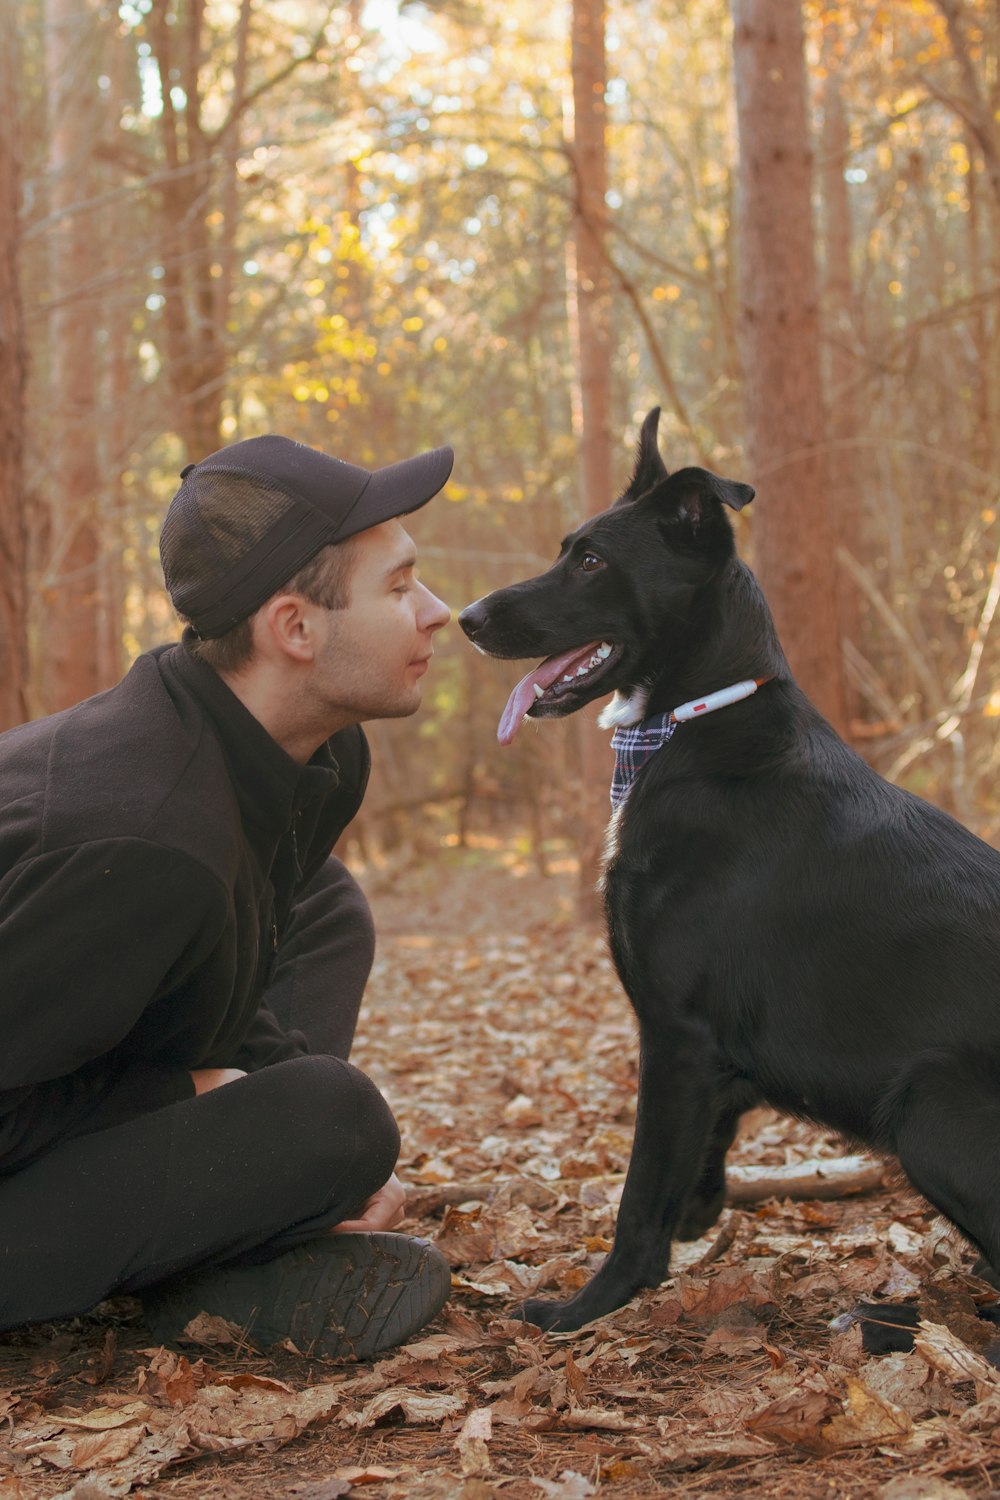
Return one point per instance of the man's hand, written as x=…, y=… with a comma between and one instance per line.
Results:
x=206, y=1079
x=383, y=1210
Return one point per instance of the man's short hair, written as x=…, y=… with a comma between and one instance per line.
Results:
x=324, y=580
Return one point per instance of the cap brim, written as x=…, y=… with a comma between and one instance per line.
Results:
x=397, y=490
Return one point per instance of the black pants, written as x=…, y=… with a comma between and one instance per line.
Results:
x=244, y=1170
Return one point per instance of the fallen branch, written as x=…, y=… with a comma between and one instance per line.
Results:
x=427, y=1200
x=834, y=1177
x=827, y=1177
x=722, y=1242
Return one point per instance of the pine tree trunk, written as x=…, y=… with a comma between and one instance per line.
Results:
x=116, y=399
x=846, y=466
x=793, y=535
x=589, y=297
x=200, y=191
x=71, y=592
x=13, y=376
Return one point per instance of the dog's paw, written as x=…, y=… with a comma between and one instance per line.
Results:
x=546, y=1315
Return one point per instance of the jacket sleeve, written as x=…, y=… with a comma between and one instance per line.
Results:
x=266, y=1043
x=90, y=938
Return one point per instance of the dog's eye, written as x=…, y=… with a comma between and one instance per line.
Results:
x=589, y=561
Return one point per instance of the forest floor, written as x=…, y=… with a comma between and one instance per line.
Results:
x=497, y=1029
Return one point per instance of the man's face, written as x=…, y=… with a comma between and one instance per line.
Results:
x=373, y=654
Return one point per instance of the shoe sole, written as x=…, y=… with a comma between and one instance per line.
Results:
x=345, y=1296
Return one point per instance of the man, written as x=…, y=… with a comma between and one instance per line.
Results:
x=182, y=962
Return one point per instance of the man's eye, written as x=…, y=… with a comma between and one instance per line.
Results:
x=589, y=561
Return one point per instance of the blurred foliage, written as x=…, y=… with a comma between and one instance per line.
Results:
x=385, y=194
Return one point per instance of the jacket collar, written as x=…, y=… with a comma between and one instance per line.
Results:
x=270, y=786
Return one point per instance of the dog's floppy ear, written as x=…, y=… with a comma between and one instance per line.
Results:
x=649, y=466
x=689, y=490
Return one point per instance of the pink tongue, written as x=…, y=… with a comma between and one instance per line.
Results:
x=545, y=674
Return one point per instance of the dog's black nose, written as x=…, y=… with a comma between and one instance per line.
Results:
x=473, y=618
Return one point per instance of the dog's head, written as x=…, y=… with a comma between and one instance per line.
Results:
x=622, y=591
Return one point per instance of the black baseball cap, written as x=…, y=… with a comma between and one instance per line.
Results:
x=247, y=518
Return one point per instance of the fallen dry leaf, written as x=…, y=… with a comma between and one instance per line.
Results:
x=945, y=1352
x=920, y=1487
x=366, y=1473
x=822, y=1420
x=472, y=1441
x=326, y=1489
x=586, y=1418
x=103, y=1417
x=569, y=1486
x=172, y=1378
x=100, y=1450
x=907, y=1381
x=414, y=1406
x=213, y=1331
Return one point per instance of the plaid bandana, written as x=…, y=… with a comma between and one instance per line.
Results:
x=633, y=747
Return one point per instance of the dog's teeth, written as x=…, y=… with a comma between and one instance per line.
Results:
x=582, y=671
x=566, y=677
x=539, y=691
x=604, y=651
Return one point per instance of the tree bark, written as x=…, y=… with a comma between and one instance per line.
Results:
x=194, y=342
x=13, y=378
x=589, y=291
x=793, y=535
x=846, y=464
x=72, y=581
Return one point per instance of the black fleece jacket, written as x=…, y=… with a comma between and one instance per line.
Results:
x=152, y=841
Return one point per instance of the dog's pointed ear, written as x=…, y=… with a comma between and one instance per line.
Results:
x=689, y=491
x=649, y=466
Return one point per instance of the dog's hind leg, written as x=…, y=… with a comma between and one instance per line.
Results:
x=677, y=1083
x=709, y=1194
x=945, y=1125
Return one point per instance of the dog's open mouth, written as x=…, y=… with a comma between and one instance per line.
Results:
x=555, y=680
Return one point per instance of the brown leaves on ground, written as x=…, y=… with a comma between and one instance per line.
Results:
x=510, y=1060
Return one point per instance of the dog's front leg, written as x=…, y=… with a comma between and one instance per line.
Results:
x=676, y=1110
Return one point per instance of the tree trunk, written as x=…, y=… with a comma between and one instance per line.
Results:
x=193, y=340
x=116, y=392
x=589, y=306
x=13, y=376
x=846, y=465
x=199, y=203
x=779, y=338
x=71, y=585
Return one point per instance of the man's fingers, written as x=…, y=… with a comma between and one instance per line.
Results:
x=206, y=1079
x=384, y=1210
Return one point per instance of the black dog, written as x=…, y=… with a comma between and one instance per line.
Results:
x=789, y=927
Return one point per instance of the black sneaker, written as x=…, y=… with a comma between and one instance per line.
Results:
x=344, y=1296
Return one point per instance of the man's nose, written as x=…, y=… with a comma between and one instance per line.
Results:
x=436, y=613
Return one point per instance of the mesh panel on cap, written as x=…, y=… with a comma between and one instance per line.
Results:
x=213, y=522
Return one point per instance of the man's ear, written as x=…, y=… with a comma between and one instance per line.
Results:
x=284, y=627
x=692, y=493
x=649, y=466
